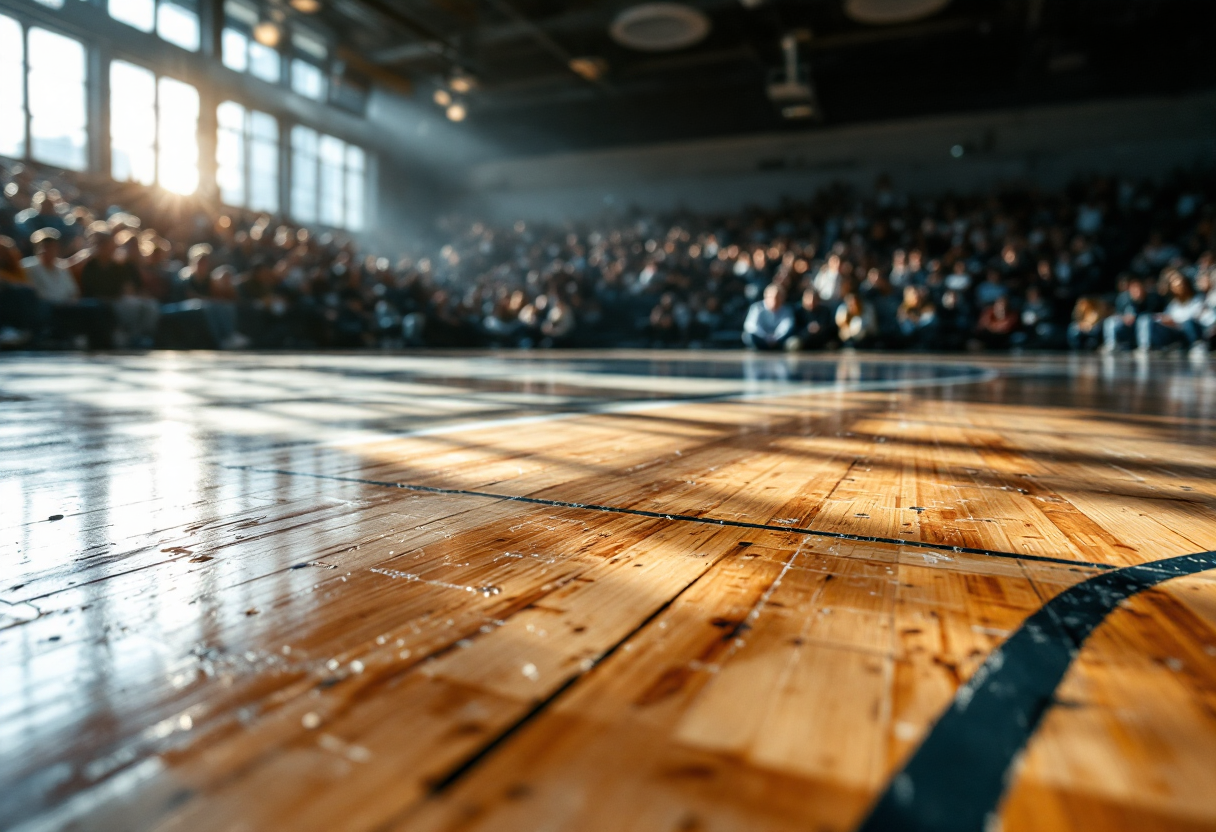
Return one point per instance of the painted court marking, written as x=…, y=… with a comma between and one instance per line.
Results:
x=955, y=780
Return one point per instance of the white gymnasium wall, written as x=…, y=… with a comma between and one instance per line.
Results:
x=1047, y=145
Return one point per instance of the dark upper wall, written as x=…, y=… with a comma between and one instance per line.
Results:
x=1047, y=145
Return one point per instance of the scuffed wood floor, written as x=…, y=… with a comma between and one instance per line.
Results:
x=300, y=593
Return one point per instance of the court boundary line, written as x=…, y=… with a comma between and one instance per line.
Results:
x=684, y=518
x=957, y=778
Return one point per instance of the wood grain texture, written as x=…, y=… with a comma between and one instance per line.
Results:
x=737, y=604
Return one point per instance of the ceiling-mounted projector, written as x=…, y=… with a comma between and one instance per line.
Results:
x=790, y=87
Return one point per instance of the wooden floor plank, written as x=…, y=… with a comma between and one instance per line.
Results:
x=742, y=613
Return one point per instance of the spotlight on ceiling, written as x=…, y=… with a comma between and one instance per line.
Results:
x=457, y=112
x=887, y=12
x=659, y=27
x=442, y=97
x=267, y=34
x=592, y=69
x=306, y=6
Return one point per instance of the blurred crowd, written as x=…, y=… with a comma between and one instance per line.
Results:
x=1106, y=263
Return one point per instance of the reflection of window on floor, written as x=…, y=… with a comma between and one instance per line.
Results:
x=247, y=157
x=327, y=180
x=175, y=21
x=153, y=129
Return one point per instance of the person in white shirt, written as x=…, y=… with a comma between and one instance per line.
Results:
x=769, y=322
x=827, y=281
x=69, y=315
x=1179, y=323
x=51, y=281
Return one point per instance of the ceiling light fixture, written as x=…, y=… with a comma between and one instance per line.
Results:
x=659, y=27
x=887, y=12
x=590, y=68
x=442, y=97
x=457, y=112
x=306, y=6
x=267, y=34
x=460, y=83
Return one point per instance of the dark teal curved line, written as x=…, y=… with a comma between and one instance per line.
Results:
x=955, y=780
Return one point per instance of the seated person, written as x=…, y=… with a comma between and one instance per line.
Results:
x=814, y=322
x=1119, y=330
x=116, y=282
x=1085, y=331
x=1038, y=331
x=769, y=321
x=996, y=325
x=917, y=318
x=856, y=322
x=20, y=313
x=1179, y=323
x=69, y=315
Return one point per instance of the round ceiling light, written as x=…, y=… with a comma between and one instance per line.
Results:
x=885, y=12
x=267, y=34
x=659, y=27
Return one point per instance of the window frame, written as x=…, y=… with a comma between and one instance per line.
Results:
x=248, y=140
x=154, y=31
x=26, y=26
x=347, y=171
x=157, y=77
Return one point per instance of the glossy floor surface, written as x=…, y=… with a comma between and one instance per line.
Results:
x=606, y=592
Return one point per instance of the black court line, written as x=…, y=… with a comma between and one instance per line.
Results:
x=955, y=780
x=684, y=518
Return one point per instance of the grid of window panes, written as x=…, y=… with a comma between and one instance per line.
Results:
x=327, y=180
x=240, y=52
x=153, y=120
x=43, y=108
x=12, y=88
x=153, y=129
x=175, y=21
x=247, y=158
x=307, y=66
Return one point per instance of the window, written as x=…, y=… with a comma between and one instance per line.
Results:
x=132, y=123
x=12, y=88
x=307, y=79
x=307, y=67
x=247, y=157
x=175, y=21
x=240, y=51
x=153, y=129
x=327, y=180
x=58, y=117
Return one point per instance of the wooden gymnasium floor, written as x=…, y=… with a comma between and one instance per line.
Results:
x=620, y=591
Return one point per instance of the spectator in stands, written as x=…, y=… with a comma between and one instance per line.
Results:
x=1038, y=329
x=996, y=326
x=855, y=322
x=1085, y=331
x=1179, y=324
x=19, y=309
x=769, y=321
x=69, y=316
x=814, y=323
x=1119, y=329
x=41, y=214
x=918, y=324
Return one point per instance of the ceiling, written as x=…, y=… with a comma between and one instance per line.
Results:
x=971, y=54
